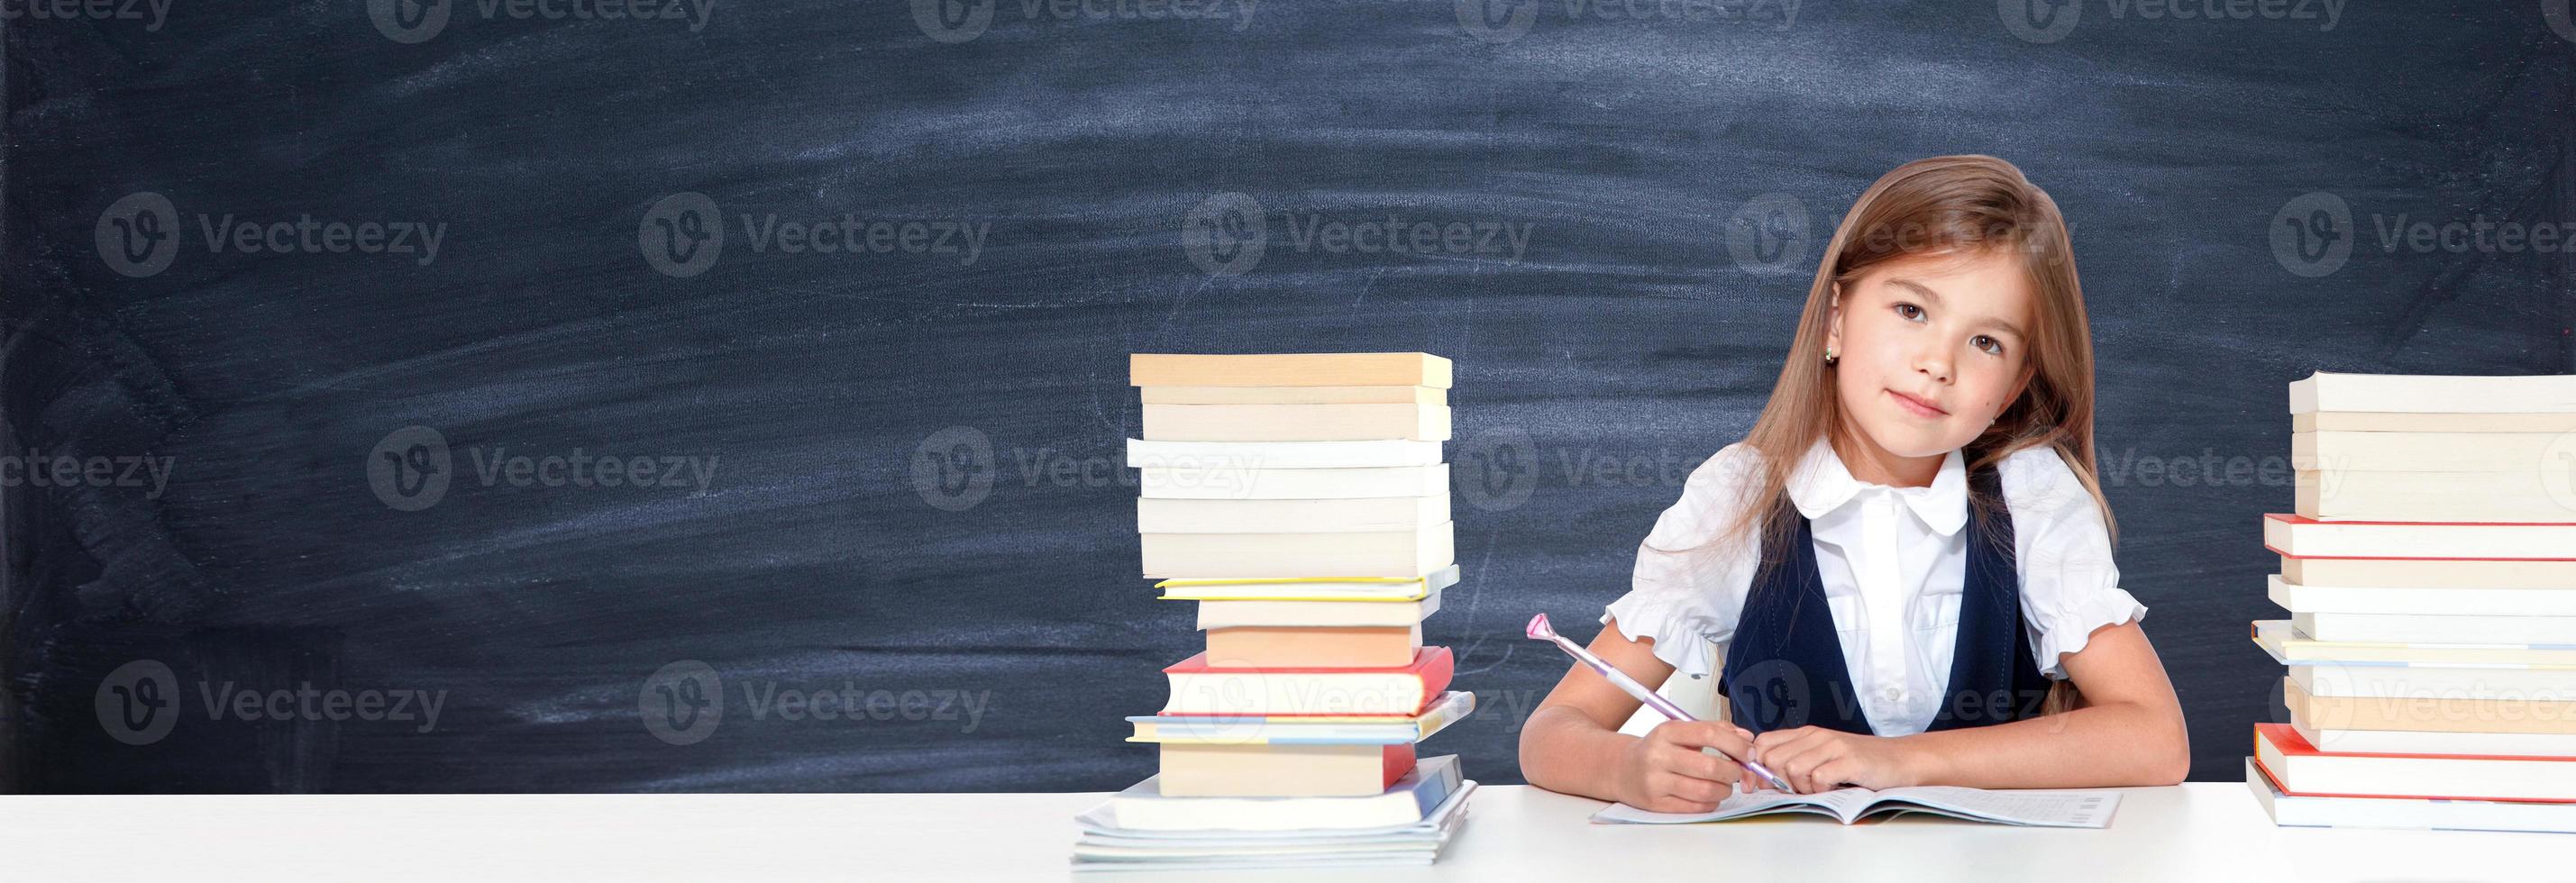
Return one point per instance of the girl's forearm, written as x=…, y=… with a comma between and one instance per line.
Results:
x=2096, y=746
x=1566, y=752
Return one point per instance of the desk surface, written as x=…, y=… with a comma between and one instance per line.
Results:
x=2211, y=831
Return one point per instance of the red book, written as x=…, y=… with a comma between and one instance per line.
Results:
x=2302, y=537
x=2299, y=768
x=1308, y=691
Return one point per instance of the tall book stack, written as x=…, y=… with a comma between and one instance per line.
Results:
x=1301, y=502
x=2430, y=575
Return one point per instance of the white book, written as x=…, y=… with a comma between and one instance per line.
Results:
x=2050, y=808
x=2301, y=811
x=1394, y=553
x=1295, y=422
x=1289, y=516
x=2428, y=451
x=1221, y=483
x=2523, y=496
x=1280, y=454
x=2412, y=628
x=2286, y=645
x=1408, y=802
x=1315, y=614
x=2367, y=421
x=2333, y=679
x=2398, y=599
x=2452, y=573
x=2434, y=394
x=1292, y=588
x=2305, y=537
x=2426, y=742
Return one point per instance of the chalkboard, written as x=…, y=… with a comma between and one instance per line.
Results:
x=490, y=395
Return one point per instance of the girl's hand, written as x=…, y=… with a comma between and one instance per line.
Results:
x=1667, y=772
x=1816, y=759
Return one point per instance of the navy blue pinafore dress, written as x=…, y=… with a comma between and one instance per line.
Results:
x=1784, y=667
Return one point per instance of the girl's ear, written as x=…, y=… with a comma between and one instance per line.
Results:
x=1834, y=319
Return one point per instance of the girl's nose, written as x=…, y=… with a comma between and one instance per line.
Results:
x=1934, y=365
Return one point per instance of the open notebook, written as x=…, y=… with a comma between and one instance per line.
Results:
x=2052, y=809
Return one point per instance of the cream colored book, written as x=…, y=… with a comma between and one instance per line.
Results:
x=2464, y=682
x=2355, y=421
x=1289, y=516
x=1292, y=395
x=2309, y=538
x=2429, y=574
x=1375, y=553
x=2433, y=714
x=2527, y=496
x=1310, y=588
x=1360, y=454
x=2429, y=451
x=2277, y=637
x=1296, y=423
x=2434, y=394
x=1319, y=614
x=2350, y=741
x=1289, y=369
x=2420, y=628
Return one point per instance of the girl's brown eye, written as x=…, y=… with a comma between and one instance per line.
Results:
x=1908, y=311
x=1989, y=344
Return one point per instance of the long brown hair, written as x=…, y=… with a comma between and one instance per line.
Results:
x=1944, y=204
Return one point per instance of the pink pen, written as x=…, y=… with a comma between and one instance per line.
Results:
x=1539, y=628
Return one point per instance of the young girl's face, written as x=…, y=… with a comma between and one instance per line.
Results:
x=1932, y=348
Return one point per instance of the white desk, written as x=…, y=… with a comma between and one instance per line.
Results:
x=2201, y=831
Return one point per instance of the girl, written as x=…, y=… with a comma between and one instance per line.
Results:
x=1902, y=576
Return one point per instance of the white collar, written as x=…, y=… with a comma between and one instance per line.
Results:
x=1821, y=484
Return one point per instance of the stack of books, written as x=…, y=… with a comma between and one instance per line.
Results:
x=2430, y=575
x=1300, y=500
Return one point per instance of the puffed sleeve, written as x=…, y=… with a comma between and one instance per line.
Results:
x=1690, y=583
x=2069, y=586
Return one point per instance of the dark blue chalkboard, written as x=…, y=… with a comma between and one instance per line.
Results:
x=845, y=291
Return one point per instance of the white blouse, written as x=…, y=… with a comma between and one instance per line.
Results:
x=1892, y=560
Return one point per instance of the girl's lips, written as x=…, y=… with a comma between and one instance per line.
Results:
x=1915, y=406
